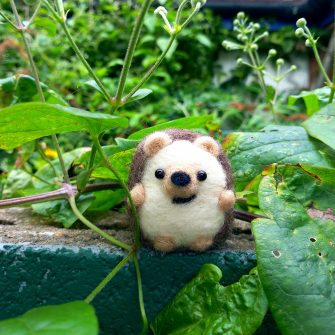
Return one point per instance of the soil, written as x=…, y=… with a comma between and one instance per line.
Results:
x=22, y=226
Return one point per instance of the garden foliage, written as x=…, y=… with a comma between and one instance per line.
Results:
x=285, y=171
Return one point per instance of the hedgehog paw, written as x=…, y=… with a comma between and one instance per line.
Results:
x=164, y=243
x=138, y=194
x=201, y=243
x=226, y=200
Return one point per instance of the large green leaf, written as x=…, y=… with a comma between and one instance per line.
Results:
x=121, y=162
x=191, y=122
x=74, y=318
x=321, y=125
x=250, y=152
x=313, y=99
x=25, y=122
x=204, y=306
x=296, y=248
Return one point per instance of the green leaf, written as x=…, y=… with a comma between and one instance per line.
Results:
x=45, y=23
x=105, y=200
x=296, y=248
x=121, y=162
x=73, y=318
x=312, y=99
x=48, y=174
x=250, y=152
x=60, y=211
x=25, y=122
x=140, y=94
x=124, y=143
x=321, y=125
x=191, y=122
x=204, y=306
x=229, y=45
x=92, y=83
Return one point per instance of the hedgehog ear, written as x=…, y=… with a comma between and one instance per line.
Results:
x=209, y=144
x=156, y=142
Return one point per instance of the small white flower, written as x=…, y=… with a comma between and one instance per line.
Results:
x=163, y=12
x=160, y=10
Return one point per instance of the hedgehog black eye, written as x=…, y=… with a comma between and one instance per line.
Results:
x=202, y=175
x=159, y=173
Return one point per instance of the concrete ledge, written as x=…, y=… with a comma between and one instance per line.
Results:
x=42, y=264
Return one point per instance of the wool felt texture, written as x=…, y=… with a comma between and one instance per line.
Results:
x=188, y=216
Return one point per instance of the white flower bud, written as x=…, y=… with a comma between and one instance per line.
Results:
x=240, y=15
x=301, y=23
x=308, y=44
x=299, y=32
x=280, y=62
x=272, y=52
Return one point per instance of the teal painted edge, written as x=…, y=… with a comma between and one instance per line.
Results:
x=38, y=275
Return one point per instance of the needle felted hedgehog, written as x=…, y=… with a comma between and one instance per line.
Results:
x=181, y=183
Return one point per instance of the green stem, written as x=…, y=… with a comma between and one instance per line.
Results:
x=332, y=89
x=38, y=86
x=108, y=278
x=8, y=20
x=149, y=73
x=79, y=54
x=44, y=157
x=318, y=59
x=34, y=176
x=195, y=11
x=179, y=11
x=123, y=184
x=93, y=227
x=130, y=51
x=140, y=296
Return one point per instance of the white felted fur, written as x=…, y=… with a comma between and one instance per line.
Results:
x=183, y=222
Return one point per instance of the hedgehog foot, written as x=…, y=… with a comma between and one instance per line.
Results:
x=202, y=243
x=226, y=200
x=164, y=243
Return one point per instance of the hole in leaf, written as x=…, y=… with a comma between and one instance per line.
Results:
x=319, y=254
x=312, y=239
x=276, y=253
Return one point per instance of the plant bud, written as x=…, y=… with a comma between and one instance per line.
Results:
x=236, y=22
x=293, y=68
x=308, y=44
x=280, y=62
x=254, y=47
x=301, y=23
x=257, y=26
x=194, y=2
x=239, y=37
x=272, y=52
x=239, y=61
x=244, y=39
x=240, y=15
x=299, y=32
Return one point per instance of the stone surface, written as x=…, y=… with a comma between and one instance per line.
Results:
x=21, y=225
x=42, y=264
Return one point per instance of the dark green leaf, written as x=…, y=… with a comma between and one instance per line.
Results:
x=313, y=99
x=125, y=144
x=25, y=122
x=250, y=152
x=74, y=318
x=105, y=200
x=204, y=306
x=191, y=122
x=321, y=125
x=121, y=162
x=140, y=94
x=60, y=211
x=296, y=248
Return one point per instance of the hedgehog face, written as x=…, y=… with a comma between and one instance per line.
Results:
x=181, y=171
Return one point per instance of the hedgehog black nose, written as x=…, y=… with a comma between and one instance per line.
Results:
x=180, y=178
